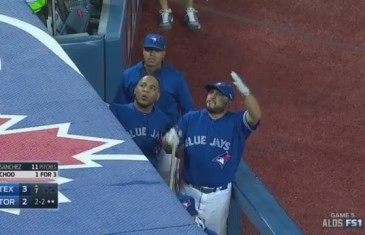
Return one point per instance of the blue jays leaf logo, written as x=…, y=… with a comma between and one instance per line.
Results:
x=187, y=203
x=155, y=39
x=222, y=159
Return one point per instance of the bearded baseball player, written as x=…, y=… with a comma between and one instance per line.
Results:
x=213, y=140
x=145, y=123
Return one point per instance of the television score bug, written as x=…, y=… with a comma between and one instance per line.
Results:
x=20, y=170
x=28, y=185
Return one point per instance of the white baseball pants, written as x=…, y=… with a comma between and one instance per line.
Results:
x=212, y=207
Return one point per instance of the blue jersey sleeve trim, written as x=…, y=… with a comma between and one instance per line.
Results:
x=248, y=126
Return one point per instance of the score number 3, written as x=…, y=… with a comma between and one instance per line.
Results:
x=24, y=189
x=25, y=200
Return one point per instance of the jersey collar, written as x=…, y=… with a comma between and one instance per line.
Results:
x=205, y=111
x=137, y=110
x=157, y=72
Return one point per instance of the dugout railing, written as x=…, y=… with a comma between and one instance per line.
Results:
x=251, y=198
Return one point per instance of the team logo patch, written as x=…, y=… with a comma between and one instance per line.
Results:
x=187, y=203
x=155, y=39
x=222, y=159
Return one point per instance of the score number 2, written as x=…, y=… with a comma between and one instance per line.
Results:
x=24, y=202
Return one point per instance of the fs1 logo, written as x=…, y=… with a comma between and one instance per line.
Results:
x=353, y=223
x=342, y=220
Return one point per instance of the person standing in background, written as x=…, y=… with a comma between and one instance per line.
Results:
x=166, y=18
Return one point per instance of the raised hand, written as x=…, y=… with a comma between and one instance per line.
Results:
x=241, y=87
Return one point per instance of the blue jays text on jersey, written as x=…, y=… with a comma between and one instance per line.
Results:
x=175, y=97
x=213, y=148
x=202, y=140
x=145, y=129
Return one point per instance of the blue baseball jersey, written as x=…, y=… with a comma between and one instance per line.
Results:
x=146, y=130
x=213, y=148
x=175, y=97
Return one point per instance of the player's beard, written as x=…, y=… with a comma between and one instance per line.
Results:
x=220, y=108
x=217, y=109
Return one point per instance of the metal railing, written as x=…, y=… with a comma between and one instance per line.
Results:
x=251, y=198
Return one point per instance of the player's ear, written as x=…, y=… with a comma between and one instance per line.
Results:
x=163, y=54
x=228, y=105
x=158, y=96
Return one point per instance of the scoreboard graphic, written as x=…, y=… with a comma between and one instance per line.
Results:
x=28, y=185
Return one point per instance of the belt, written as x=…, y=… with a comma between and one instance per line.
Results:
x=210, y=189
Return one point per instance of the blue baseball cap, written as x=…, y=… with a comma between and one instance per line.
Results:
x=209, y=232
x=189, y=203
x=225, y=88
x=155, y=41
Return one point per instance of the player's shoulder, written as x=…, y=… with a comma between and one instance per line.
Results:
x=240, y=117
x=238, y=114
x=236, y=117
x=121, y=107
x=133, y=71
x=196, y=114
x=161, y=115
x=171, y=70
x=193, y=113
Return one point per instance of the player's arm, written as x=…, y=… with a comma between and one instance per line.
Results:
x=114, y=108
x=117, y=110
x=253, y=115
x=253, y=110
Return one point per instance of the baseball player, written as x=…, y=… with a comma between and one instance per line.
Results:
x=175, y=97
x=145, y=123
x=213, y=141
